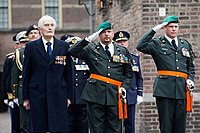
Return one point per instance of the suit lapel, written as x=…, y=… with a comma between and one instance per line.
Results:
x=56, y=49
x=41, y=49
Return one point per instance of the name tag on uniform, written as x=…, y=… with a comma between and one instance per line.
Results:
x=82, y=67
x=120, y=58
x=60, y=60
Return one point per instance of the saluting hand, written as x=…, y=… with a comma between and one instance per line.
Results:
x=93, y=36
x=158, y=27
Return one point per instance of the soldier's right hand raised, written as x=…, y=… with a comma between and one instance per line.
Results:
x=93, y=36
x=158, y=27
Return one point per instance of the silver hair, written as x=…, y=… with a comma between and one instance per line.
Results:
x=44, y=19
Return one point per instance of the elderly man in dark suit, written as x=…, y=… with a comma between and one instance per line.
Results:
x=110, y=76
x=174, y=58
x=46, y=69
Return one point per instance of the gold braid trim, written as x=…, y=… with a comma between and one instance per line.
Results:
x=18, y=62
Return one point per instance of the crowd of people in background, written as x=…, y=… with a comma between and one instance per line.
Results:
x=74, y=85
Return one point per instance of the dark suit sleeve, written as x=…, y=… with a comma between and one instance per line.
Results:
x=26, y=71
x=68, y=72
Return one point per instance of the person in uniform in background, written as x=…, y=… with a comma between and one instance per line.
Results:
x=45, y=80
x=77, y=110
x=16, y=81
x=174, y=83
x=3, y=95
x=33, y=33
x=135, y=91
x=6, y=83
x=111, y=75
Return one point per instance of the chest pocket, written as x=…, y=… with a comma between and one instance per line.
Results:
x=165, y=51
x=96, y=59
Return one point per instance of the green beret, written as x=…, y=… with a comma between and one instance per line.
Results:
x=104, y=26
x=171, y=19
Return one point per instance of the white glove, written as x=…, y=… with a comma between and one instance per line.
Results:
x=122, y=91
x=190, y=84
x=93, y=36
x=16, y=101
x=158, y=27
x=139, y=99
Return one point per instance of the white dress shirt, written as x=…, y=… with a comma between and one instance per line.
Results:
x=170, y=40
x=44, y=42
x=111, y=48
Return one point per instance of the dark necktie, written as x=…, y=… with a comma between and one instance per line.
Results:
x=49, y=50
x=107, y=51
x=174, y=44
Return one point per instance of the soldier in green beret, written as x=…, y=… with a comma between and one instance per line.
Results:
x=111, y=75
x=174, y=82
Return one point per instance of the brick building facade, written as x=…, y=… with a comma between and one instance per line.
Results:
x=137, y=17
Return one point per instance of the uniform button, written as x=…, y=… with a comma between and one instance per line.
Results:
x=76, y=84
x=108, y=60
x=177, y=67
x=177, y=76
x=76, y=74
x=165, y=53
x=108, y=74
x=108, y=66
x=176, y=52
x=176, y=60
x=84, y=73
x=76, y=79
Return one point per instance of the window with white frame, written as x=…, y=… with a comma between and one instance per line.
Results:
x=3, y=14
x=51, y=9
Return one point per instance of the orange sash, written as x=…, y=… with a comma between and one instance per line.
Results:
x=184, y=75
x=122, y=113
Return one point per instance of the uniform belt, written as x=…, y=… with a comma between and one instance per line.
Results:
x=183, y=75
x=122, y=113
